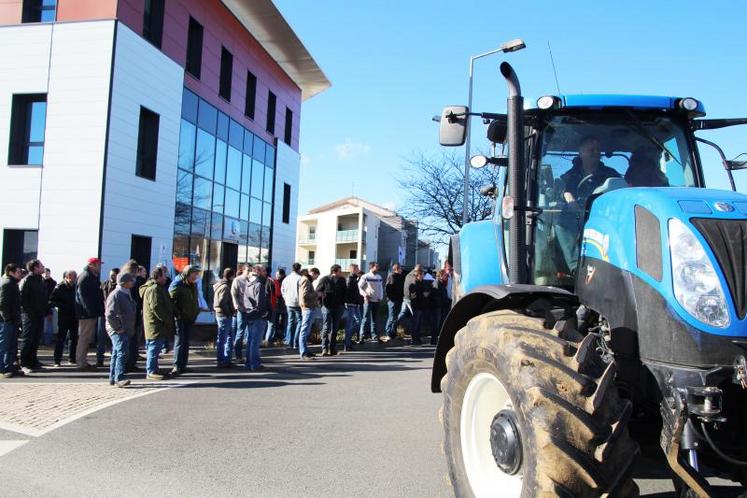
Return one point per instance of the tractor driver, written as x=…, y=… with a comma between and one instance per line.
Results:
x=587, y=172
x=577, y=184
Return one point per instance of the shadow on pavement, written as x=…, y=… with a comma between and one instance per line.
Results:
x=284, y=367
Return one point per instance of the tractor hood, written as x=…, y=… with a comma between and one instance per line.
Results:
x=632, y=229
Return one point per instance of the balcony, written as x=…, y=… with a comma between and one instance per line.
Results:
x=345, y=263
x=308, y=240
x=307, y=262
x=347, y=235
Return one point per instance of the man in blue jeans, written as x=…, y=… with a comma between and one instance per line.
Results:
x=102, y=338
x=238, y=286
x=372, y=290
x=353, y=302
x=289, y=291
x=225, y=314
x=332, y=291
x=250, y=297
x=10, y=319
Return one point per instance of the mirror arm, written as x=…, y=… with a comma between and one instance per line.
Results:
x=712, y=124
x=723, y=160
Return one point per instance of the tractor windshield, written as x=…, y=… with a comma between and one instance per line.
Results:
x=583, y=155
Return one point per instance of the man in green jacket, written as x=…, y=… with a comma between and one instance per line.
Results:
x=158, y=319
x=186, y=308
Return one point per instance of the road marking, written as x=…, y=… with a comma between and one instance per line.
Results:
x=8, y=446
x=34, y=409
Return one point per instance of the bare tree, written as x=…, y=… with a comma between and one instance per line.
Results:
x=434, y=187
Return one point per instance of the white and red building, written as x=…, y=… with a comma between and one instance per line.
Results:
x=164, y=130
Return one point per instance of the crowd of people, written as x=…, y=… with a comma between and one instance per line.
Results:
x=252, y=310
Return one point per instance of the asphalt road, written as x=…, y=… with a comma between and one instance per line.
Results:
x=361, y=424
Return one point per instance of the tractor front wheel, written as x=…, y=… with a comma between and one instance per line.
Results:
x=527, y=414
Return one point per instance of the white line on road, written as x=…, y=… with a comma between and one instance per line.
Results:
x=8, y=446
x=64, y=420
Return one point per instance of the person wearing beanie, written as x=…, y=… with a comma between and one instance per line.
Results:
x=121, y=314
x=186, y=308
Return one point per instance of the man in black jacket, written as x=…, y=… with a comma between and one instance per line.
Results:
x=353, y=302
x=63, y=298
x=34, y=307
x=90, y=301
x=395, y=292
x=419, y=292
x=10, y=319
x=333, y=290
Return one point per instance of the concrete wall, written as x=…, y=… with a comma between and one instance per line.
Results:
x=135, y=205
x=371, y=234
x=284, y=234
x=72, y=179
x=25, y=61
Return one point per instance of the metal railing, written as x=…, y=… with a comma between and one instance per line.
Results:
x=309, y=239
x=345, y=263
x=347, y=235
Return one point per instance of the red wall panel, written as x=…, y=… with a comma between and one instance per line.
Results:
x=86, y=10
x=10, y=11
x=221, y=28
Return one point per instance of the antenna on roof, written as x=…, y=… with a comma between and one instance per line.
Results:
x=352, y=189
x=554, y=69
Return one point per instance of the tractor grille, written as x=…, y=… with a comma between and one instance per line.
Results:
x=728, y=241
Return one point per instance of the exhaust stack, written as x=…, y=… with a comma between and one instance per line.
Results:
x=517, y=260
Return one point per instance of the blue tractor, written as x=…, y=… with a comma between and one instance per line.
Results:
x=608, y=292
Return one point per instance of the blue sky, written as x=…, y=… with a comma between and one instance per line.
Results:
x=395, y=64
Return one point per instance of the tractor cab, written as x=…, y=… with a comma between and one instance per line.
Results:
x=579, y=152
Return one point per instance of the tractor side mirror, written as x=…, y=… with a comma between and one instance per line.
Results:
x=498, y=130
x=453, y=129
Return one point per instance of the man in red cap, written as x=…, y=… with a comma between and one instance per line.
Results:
x=90, y=301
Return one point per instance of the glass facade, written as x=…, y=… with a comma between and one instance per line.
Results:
x=224, y=193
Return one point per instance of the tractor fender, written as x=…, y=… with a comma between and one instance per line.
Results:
x=483, y=300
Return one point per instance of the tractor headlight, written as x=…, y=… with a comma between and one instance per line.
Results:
x=696, y=283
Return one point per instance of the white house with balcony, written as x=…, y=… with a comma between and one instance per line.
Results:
x=345, y=232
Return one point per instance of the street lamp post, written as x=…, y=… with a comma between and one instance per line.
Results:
x=510, y=46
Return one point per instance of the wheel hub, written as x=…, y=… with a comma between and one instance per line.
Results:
x=505, y=442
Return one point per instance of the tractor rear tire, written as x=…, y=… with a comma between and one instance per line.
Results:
x=570, y=421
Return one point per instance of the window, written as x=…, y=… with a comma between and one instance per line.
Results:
x=288, y=125
x=39, y=11
x=147, y=144
x=286, y=203
x=233, y=198
x=226, y=71
x=205, y=154
x=251, y=95
x=224, y=190
x=140, y=247
x=153, y=21
x=19, y=246
x=27, y=125
x=271, y=103
x=194, y=48
x=268, y=184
